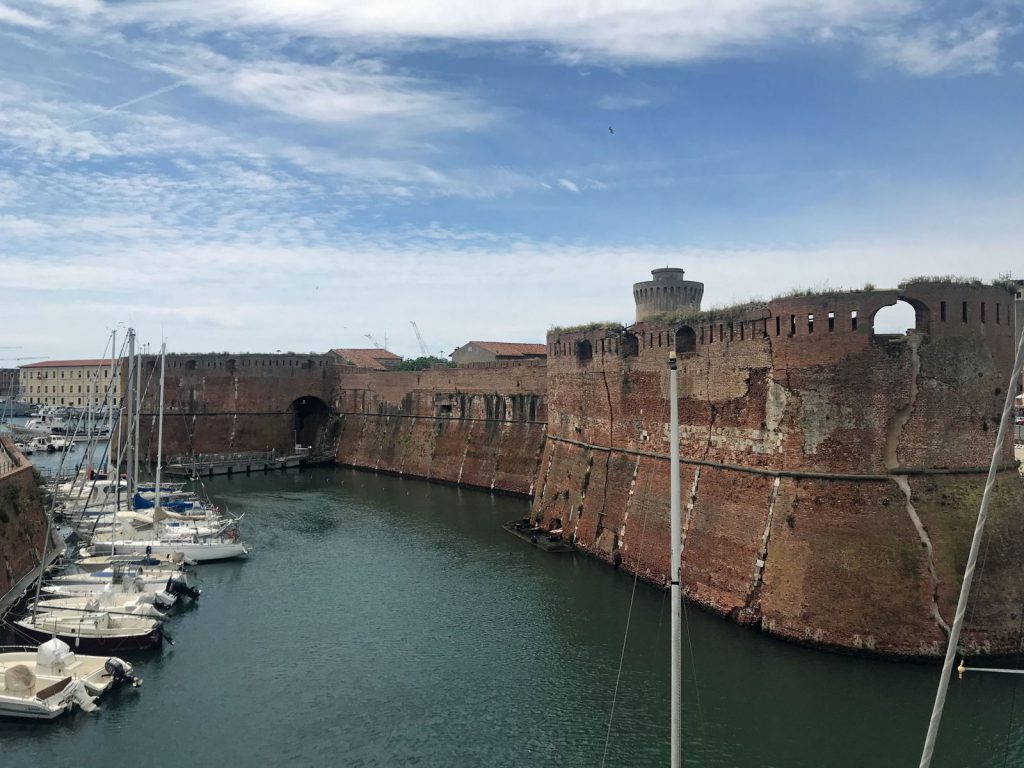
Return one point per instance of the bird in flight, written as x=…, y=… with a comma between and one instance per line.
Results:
x=610, y=129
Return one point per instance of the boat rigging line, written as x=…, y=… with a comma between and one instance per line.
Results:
x=965, y=588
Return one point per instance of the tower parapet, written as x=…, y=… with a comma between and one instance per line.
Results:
x=668, y=291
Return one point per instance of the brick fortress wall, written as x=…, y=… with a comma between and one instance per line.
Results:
x=226, y=403
x=22, y=520
x=482, y=425
x=831, y=477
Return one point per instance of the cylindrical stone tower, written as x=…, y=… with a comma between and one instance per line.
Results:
x=668, y=291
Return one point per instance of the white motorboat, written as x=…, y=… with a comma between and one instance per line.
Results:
x=54, y=658
x=44, y=682
x=163, y=588
x=29, y=696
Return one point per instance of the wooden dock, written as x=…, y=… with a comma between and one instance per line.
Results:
x=210, y=464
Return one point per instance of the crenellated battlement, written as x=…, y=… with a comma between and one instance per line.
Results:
x=838, y=323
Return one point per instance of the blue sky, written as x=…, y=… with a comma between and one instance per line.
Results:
x=271, y=174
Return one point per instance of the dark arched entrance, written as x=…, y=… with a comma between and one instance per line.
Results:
x=310, y=420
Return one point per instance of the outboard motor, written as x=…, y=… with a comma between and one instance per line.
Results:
x=164, y=600
x=121, y=671
x=177, y=584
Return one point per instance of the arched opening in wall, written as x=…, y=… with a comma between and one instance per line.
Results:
x=190, y=365
x=900, y=318
x=231, y=366
x=629, y=345
x=686, y=341
x=310, y=416
x=584, y=351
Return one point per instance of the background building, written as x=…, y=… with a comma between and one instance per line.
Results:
x=70, y=383
x=495, y=351
x=374, y=359
x=9, y=379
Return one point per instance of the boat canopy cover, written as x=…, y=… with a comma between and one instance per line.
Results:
x=178, y=505
x=52, y=655
x=19, y=679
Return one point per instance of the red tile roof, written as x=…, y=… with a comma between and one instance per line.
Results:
x=67, y=364
x=366, y=358
x=511, y=349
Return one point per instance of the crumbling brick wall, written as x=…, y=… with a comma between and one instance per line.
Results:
x=831, y=475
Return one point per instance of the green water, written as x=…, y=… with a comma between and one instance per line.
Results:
x=388, y=622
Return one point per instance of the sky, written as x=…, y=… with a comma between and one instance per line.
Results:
x=262, y=175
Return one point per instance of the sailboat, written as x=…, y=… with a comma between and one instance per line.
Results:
x=93, y=631
x=220, y=542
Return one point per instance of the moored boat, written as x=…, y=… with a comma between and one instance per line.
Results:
x=45, y=682
x=94, y=632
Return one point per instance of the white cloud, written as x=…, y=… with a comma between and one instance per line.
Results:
x=269, y=295
x=939, y=50
x=625, y=30
x=568, y=185
x=18, y=18
x=344, y=92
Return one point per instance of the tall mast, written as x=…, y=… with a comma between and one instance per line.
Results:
x=89, y=421
x=138, y=416
x=972, y=559
x=130, y=411
x=160, y=429
x=674, y=574
x=110, y=404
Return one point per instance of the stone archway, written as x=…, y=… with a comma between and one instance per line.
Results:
x=310, y=416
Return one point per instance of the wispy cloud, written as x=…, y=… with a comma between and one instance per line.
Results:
x=345, y=92
x=957, y=50
x=625, y=30
x=14, y=17
x=571, y=186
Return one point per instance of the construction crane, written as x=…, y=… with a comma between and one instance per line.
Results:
x=419, y=338
x=21, y=358
x=374, y=341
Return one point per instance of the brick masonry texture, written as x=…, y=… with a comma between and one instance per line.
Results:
x=22, y=520
x=831, y=476
x=482, y=426
x=830, y=482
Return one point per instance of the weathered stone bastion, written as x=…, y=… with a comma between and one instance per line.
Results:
x=831, y=474
x=22, y=521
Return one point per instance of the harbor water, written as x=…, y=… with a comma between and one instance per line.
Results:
x=383, y=621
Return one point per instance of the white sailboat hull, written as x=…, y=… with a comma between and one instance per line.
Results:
x=200, y=551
